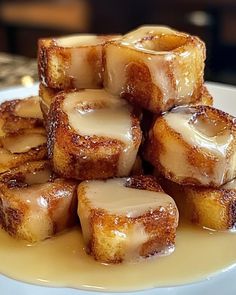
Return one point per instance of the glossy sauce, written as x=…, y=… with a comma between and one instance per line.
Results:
x=44, y=206
x=155, y=55
x=61, y=261
x=81, y=67
x=96, y=112
x=37, y=177
x=113, y=196
x=29, y=108
x=78, y=40
x=23, y=143
x=202, y=134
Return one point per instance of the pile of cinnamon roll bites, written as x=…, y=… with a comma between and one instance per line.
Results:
x=131, y=135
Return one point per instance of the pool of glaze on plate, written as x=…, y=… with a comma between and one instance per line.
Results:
x=61, y=261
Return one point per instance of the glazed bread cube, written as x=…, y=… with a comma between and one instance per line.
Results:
x=20, y=114
x=34, y=203
x=74, y=61
x=21, y=147
x=125, y=219
x=22, y=136
x=155, y=67
x=194, y=145
x=212, y=208
x=92, y=135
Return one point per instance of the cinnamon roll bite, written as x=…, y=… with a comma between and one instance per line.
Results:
x=92, y=135
x=34, y=203
x=20, y=114
x=155, y=67
x=22, y=135
x=194, y=145
x=208, y=207
x=125, y=219
x=74, y=61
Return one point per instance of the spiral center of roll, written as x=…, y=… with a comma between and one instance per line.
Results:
x=160, y=42
x=208, y=126
x=199, y=130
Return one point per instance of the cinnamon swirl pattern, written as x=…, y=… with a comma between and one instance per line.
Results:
x=74, y=61
x=194, y=145
x=155, y=67
x=34, y=203
x=92, y=135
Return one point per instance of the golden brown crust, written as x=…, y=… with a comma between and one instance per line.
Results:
x=205, y=97
x=14, y=160
x=13, y=127
x=83, y=157
x=11, y=122
x=105, y=245
x=54, y=61
x=164, y=140
x=207, y=207
x=30, y=220
x=46, y=94
x=147, y=89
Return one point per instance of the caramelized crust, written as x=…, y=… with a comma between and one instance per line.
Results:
x=148, y=118
x=34, y=203
x=205, y=98
x=194, y=145
x=155, y=68
x=84, y=157
x=114, y=237
x=214, y=208
x=46, y=96
x=67, y=65
x=20, y=114
x=22, y=136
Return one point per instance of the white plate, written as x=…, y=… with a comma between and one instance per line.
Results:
x=224, y=283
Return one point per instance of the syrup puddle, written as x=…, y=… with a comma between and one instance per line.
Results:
x=62, y=262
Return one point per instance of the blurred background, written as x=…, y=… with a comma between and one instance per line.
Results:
x=22, y=22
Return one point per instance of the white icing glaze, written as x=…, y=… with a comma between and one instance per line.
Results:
x=38, y=177
x=29, y=108
x=160, y=62
x=211, y=137
x=62, y=262
x=23, y=143
x=114, y=197
x=95, y=112
x=78, y=40
x=133, y=37
x=81, y=70
x=85, y=70
x=198, y=134
x=134, y=240
x=46, y=206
